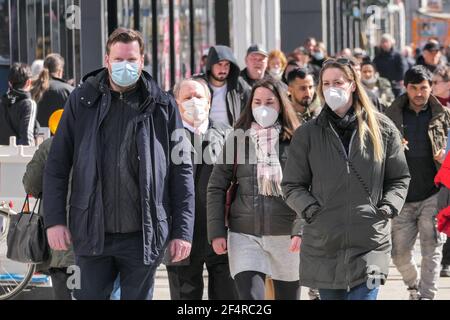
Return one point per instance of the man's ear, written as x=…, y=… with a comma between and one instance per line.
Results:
x=106, y=61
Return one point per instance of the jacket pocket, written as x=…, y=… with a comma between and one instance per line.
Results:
x=377, y=212
x=315, y=215
x=78, y=216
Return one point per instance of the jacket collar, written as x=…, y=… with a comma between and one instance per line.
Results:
x=395, y=111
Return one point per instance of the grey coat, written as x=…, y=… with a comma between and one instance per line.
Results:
x=348, y=237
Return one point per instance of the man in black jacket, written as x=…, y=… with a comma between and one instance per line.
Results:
x=186, y=278
x=17, y=109
x=229, y=91
x=130, y=196
x=50, y=90
x=391, y=64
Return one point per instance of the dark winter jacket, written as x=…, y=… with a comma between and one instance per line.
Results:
x=348, y=237
x=166, y=187
x=120, y=162
x=53, y=99
x=249, y=81
x=204, y=150
x=430, y=67
x=251, y=213
x=391, y=65
x=238, y=91
x=17, y=118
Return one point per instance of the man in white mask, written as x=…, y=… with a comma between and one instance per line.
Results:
x=193, y=99
x=186, y=277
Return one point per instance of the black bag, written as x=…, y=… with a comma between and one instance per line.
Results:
x=27, y=239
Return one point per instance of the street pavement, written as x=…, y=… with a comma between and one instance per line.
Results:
x=393, y=290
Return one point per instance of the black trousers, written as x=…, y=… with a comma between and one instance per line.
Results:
x=446, y=253
x=59, y=284
x=124, y=254
x=186, y=281
x=251, y=286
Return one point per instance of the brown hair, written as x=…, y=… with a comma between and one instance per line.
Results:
x=52, y=64
x=125, y=36
x=361, y=102
x=288, y=119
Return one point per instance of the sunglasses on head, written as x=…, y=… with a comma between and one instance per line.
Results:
x=342, y=61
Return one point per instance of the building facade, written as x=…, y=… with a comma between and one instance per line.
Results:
x=342, y=24
x=176, y=32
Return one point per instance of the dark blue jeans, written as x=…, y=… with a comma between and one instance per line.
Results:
x=124, y=254
x=360, y=292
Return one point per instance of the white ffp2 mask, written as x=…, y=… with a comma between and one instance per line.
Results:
x=265, y=116
x=336, y=97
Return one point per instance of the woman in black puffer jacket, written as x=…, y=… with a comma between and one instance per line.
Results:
x=261, y=223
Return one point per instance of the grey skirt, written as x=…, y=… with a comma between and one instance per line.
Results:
x=267, y=254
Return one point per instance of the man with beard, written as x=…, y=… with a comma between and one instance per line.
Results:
x=228, y=90
x=303, y=94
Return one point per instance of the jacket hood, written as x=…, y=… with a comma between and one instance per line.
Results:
x=16, y=95
x=220, y=53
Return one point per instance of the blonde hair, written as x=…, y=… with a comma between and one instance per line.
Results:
x=361, y=102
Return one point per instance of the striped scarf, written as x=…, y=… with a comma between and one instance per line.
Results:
x=269, y=171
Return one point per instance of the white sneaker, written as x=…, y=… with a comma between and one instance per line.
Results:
x=313, y=294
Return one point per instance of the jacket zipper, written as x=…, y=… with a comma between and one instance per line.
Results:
x=346, y=257
x=118, y=169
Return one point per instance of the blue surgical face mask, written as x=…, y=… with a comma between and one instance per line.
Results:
x=125, y=73
x=318, y=55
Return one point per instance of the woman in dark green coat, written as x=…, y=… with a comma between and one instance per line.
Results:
x=346, y=176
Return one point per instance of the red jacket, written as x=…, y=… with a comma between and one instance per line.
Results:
x=443, y=178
